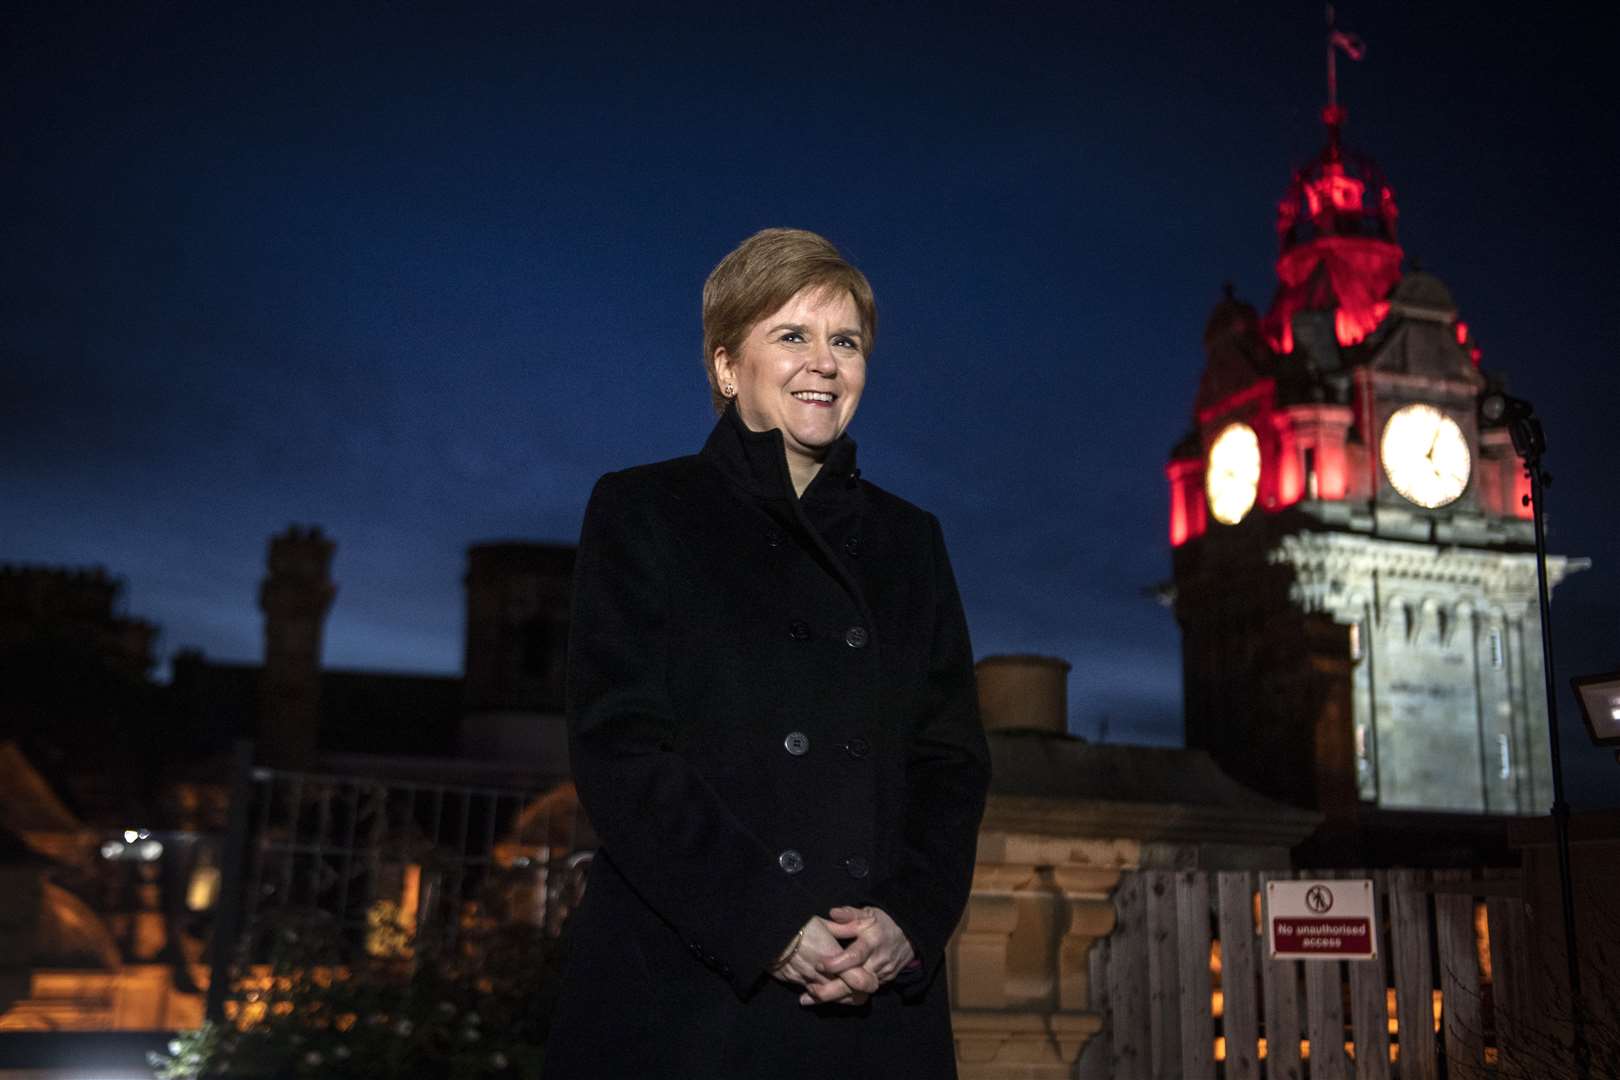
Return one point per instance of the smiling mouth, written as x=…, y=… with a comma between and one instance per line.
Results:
x=815, y=397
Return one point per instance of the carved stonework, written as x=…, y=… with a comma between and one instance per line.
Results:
x=1020, y=959
x=1445, y=678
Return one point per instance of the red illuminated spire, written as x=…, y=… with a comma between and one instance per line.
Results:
x=1336, y=231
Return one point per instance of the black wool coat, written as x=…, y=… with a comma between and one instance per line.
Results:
x=771, y=712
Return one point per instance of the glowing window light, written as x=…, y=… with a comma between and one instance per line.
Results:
x=202, y=892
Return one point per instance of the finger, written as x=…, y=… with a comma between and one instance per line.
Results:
x=841, y=930
x=883, y=962
x=861, y=980
x=878, y=971
x=827, y=992
x=854, y=998
x=853, y=956
x=847, y=919
x=834, y=992
x=889, y=964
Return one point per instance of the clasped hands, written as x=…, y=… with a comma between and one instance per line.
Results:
x=832, y=971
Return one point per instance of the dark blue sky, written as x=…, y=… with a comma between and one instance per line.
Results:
x=420, y=274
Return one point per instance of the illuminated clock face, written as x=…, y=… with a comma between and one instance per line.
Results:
x=1425, y=455
x=1233, y=473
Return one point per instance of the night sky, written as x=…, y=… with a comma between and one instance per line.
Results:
x=419, y=275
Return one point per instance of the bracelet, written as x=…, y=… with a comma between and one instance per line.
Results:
x=790, y=952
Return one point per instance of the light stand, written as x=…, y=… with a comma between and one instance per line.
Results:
x=1530, y=442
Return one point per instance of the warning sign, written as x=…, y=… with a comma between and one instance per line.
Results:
x=1321, y=920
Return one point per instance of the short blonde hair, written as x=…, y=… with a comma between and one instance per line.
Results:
x=761, y=274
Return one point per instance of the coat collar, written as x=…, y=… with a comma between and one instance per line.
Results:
x=756, y=461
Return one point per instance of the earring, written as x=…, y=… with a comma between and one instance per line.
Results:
x=729, y=390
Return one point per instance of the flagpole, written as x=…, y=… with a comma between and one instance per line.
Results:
x=1332, y=67
x=1337, y=39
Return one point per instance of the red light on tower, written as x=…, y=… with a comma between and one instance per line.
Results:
x=1352, y=325
x=1334, y=192
x=1188, y=509
x=1286, y=467
x=1474, y=351
x=1521, y=492
x=1308, y=451
x=1178, y=522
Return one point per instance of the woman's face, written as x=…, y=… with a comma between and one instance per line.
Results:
x=801, y=370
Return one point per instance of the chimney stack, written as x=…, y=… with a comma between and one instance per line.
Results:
x=295, y=598
x=1024, y=693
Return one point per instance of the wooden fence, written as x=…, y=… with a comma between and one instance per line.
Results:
x=1187, y=990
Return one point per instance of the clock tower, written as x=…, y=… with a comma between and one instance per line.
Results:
x=1355, y=576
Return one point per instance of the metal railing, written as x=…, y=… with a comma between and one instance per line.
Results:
x=383, y=859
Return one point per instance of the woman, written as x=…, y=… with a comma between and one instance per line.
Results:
x=772, y=721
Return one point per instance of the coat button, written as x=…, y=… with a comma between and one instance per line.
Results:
x=797, y=743
x=855, y=637
x=790, y=861
x=774, y=538
x=853, y=546
x=857, y=747
x=855, y=865
x=799, y=630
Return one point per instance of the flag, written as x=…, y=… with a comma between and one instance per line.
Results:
x=1352, y=44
